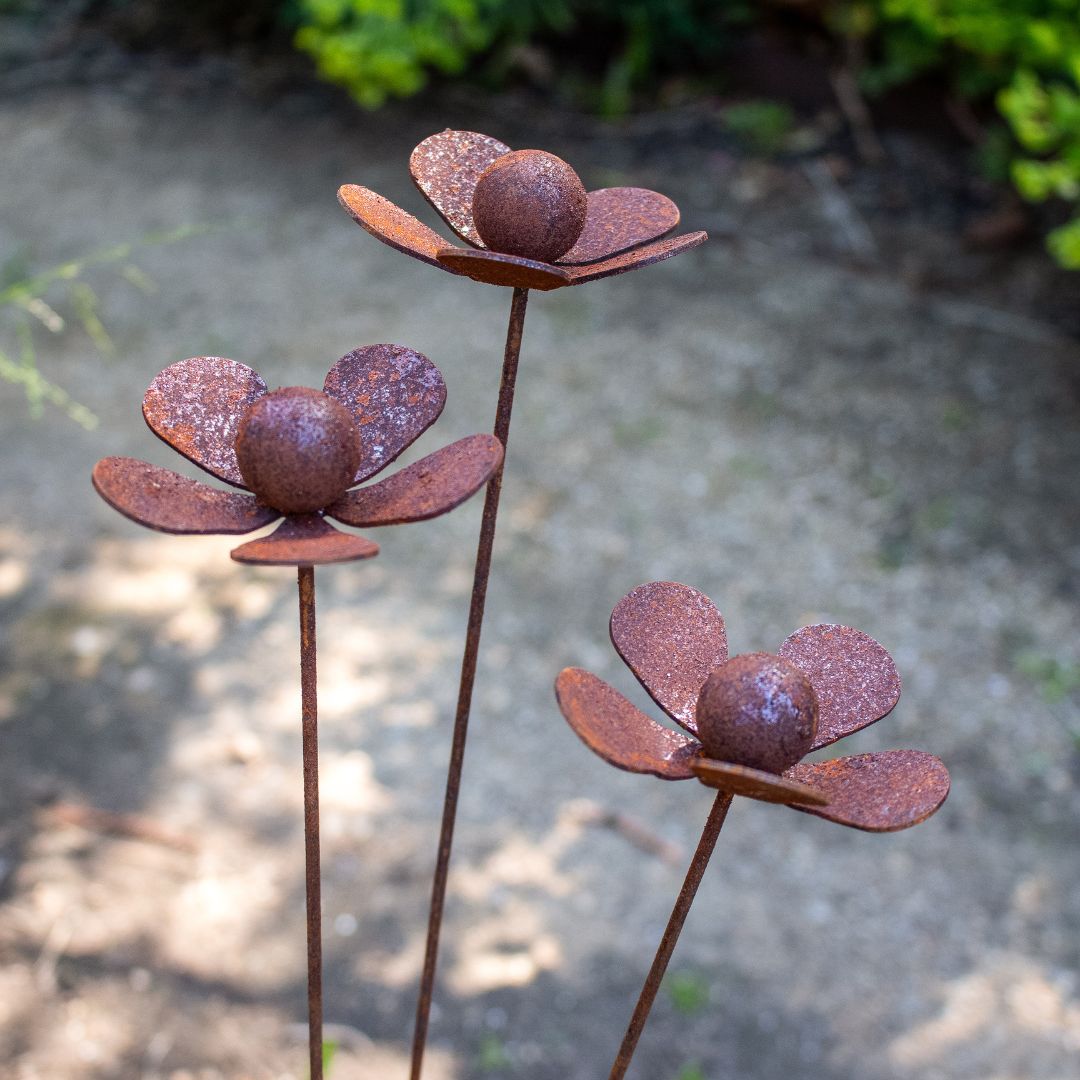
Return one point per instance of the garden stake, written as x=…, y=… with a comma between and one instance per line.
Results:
x=299, y=452
x=531, y=225
x=751, y=719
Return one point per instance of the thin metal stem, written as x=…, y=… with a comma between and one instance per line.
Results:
x=468, y=676
x=313, y=889
x=713, y=824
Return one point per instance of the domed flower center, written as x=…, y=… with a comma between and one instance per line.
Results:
x=531, y=204
x=757, y=710
x=298, y=449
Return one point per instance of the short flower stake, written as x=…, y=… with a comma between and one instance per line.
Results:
x=751, y=719
x=299, y=452
x=530, y=224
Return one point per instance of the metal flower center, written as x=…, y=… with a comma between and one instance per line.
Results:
x=298, y=449
x=531, y=204
x=757, y=710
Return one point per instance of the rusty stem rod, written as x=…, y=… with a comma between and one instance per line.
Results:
x=713, y=824
x=313, y=890
x=468, y=677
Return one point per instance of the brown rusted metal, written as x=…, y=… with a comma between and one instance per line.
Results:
x=446, y=168
x=755, y=783
x=392, y=225
x=621, y=218
x=298, y=449
x=511, y=355
x=671, y=637
x=757, y=710
x=636, y=258
x=431, y=486
x=161, y=499
x=305, y=540
x=698, y=864
x=529, y=203
x=196, y=405
x=495, y=268
x=855, y=679
x=309, y=727
x=880, y=792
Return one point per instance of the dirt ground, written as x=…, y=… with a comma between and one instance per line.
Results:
x=789, y=419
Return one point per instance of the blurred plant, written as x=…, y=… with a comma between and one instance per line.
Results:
x=762, y=126
x=688, y=990
x=28, y=300
x=691, y=1071
x=1055, y=679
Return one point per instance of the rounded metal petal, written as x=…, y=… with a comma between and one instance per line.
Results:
x=619, y=219
x=430, y=487
x=641, y=256
x=446, y=167
x=196, y=405
x=391, y=224
x=394, y=393
x=620, y=733
x=164, y=500
x=672, y=638
x=305, y=540
x=855, y=679
x=755, y=783
x=880, y=792
x=495, y=268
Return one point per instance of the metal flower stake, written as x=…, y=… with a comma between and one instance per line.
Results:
x=751, y=719
x=530, y=224
x=299, y=452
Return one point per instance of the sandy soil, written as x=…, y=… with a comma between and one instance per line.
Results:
x=801, y=435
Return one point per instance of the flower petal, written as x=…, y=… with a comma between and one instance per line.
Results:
x=672, y=638
x=621, y=734
x=855, y=679
x=446, y=167
x=196, y=405
x=163, y=500
x=755, y=783
x=621, y=218
x=395, y=394
x=430, y=487
x=495, y=268
x=880, y=792
x=391, y=224
x=305, y=540
x=641, y=256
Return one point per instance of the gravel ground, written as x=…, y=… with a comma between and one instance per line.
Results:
x=802, y=435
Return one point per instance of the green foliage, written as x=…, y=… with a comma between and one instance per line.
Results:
x=691, y=1071
x=1056, y=680
x=762, y=126
x=689, y=991
x=329, y=1052
x=491, y=1056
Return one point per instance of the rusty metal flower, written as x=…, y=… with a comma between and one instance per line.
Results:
x=752, y=718
x=298, y=452
x=525, y=213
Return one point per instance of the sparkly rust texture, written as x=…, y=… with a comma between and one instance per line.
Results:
x=531, y=204
x=298, y=449
x=305, y=540
x=619, y=219
x=759, y=711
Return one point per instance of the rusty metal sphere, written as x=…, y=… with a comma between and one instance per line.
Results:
x=298, y=449
x=531, y=204
x=757, y=710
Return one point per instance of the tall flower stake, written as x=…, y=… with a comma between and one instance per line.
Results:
x=751, y=719
x=299, y=452
x=531, y=225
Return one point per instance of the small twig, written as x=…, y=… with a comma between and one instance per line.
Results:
x=111, y=824
x=629, y=828
x=855, y=110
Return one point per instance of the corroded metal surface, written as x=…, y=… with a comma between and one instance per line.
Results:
x=395, y=395
x=298, y=449
x=392, y=225
x=446, y=168
x=619, y=732
x=431, y=486
x=880, y=792
x=636, y=257
x=672, y=638
x=495, y=268
x=529, y=203
x=196, y=405
x=757, y=710
x=755, y=783
x=305, y=540
x=855, y=679
x=164, y=500
x=621, y=218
